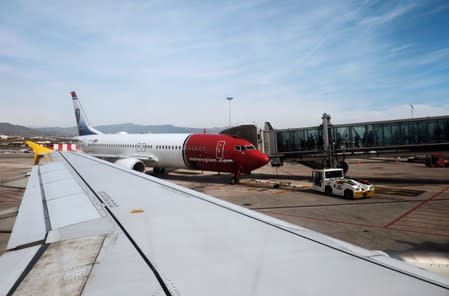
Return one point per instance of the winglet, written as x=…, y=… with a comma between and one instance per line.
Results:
x=39, y=150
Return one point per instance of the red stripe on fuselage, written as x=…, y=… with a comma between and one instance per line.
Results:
x=211, y=152
x=200, y=153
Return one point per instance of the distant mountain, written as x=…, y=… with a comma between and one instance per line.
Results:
x=18, y=130
x=131, y=128
x=59, y=131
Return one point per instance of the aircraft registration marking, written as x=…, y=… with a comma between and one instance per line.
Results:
x=107, y=199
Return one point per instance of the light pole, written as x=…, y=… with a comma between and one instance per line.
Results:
x=229, y=100
x=411, y=109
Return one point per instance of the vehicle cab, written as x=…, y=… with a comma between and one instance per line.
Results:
x=333, y=182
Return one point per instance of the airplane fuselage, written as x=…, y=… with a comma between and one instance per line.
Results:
x=210, y=152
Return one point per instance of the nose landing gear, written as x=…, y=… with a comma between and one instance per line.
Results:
x=235, y=179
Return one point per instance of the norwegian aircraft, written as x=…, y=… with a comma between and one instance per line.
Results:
x=207, y=152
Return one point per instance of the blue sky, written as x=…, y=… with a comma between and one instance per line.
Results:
x=287, y=62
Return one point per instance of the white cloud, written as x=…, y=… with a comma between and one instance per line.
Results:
x=389, y=15
x=166, y=62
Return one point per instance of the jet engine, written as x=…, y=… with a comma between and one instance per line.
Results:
x=131, y=163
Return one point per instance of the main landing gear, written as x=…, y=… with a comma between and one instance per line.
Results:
x=235, y=178
x=158, y=171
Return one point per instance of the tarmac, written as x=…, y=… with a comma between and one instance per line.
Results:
x=407, y=218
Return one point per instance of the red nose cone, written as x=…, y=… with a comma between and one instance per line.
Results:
x=262, y=159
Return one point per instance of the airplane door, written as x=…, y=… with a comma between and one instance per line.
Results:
x=220, y=149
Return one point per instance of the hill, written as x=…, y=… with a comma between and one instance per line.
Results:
x=18, y=130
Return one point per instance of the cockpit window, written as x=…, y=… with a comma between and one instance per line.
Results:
x=243, y=148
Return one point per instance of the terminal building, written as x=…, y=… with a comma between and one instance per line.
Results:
x=417, y=134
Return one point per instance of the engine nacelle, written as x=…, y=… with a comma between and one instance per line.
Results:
x=131, y=163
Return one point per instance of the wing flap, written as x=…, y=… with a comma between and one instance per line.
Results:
x=67, y=202
x=118, y=259
x=30, y=222
x=12, y=265
x=63, y=269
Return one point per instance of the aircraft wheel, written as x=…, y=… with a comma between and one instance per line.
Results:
x=349, y=194
x=158, y=171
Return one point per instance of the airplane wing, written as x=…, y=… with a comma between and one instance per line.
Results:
x=88, y=227
x=148, y=159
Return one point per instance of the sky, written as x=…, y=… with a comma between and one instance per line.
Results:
x=175, y=62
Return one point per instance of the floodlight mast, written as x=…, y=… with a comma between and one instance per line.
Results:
x=229, y=100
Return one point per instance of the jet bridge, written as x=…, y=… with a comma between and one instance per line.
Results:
x=417, y=135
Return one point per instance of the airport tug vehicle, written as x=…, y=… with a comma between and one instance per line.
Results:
x=333, y=182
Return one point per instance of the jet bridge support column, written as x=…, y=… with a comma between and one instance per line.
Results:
x=327, y=153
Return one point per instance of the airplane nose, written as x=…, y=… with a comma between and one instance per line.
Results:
x=262, y=159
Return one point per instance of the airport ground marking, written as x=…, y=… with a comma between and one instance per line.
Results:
x=416, y=207
x=355, y=224
x=352, y=203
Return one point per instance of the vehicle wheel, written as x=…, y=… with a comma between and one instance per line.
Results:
x=328, y=191
x=349, y=194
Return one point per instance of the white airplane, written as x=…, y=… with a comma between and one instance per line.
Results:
x=88, y=227
x=208, y=152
